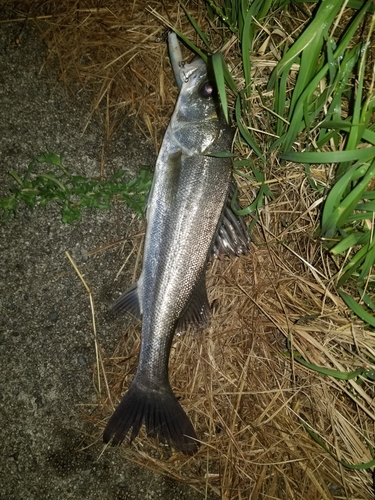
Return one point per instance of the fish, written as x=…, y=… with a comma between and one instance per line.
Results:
x=189, y=220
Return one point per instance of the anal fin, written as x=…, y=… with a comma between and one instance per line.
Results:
x=197, y=312
x=128, y=302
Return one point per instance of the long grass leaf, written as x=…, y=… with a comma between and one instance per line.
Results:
x=351, y=200
x=308, y=66
x=217, y=64
x=312, y=34
x=338, y=85
x=329, y=156
x=327, y=371
x=357, y=309
x=363, y=466
x=191, y=45
x=265, y=7
x=352, y=4
x=247, y=35
x=243, y=131
x=350, y=241
x=296, y=119
x=16, y=178
x=200, y=33
x=334, y=197
x=367, y=135
x=354, y=264
x=339, y=215
x=367, y=299
x=369, y=206
x=368, y=264
x=355, y=131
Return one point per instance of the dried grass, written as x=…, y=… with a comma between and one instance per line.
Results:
x=246, y=398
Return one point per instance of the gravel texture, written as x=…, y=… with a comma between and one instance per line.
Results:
x=46, y=344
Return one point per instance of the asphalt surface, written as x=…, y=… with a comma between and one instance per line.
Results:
x=46, y=344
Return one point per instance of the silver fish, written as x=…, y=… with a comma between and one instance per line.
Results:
x=186, y=217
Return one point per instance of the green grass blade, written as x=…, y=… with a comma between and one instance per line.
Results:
x=16, y=178
x=224, y=14
x=191, y=45
x=265, y=7
x=218, y=65
x=243, y=130
x=296, y=118
x=339, y=215
x=312, y=34
x=334, y=198
x=352, y=4
x=200, y=33
x=329, y=156
x=327, y=371
x=368, y=135
x=368, y=264
x=316, y=438
x=247, y=35
x=228, y=78
x=357, y=309
x=369, y=206
x=54, y=180
x=308, y=64
x=340, y=82
x=354, y=264
x=52, y=158
x=355, y=132
x=350, y=241
x=366, y=299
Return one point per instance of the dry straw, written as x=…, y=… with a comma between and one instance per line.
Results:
x=249, y=401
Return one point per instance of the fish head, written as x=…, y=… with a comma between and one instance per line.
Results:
x=197, y=121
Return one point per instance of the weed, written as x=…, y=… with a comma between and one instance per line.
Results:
x=73, y=192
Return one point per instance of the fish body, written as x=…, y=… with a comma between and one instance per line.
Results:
x=185, y=208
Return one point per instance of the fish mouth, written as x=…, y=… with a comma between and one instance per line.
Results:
x=182, y=70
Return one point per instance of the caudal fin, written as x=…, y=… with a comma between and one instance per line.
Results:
x=162, y=414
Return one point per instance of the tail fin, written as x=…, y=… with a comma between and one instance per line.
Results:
x=160, y=411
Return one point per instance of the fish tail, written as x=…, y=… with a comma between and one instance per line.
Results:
x=162, y=414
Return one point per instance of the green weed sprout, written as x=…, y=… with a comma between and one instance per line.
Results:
x=73, y=192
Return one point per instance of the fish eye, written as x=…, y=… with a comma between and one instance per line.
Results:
x=207, y=90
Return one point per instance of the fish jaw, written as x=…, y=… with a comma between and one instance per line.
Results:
x=175, y=56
